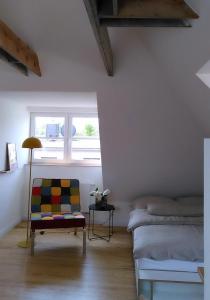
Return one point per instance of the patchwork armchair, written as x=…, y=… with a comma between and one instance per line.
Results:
x=55, y=203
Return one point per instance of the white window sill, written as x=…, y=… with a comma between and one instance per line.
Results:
x=73, y=164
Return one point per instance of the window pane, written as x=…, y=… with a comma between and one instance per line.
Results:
x=50, y=130
x=85, y=127
x=85, y=139
x=49, y=127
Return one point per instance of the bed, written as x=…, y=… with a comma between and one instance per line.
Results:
x=167, y=240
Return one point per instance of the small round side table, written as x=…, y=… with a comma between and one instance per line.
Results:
x=91, y=226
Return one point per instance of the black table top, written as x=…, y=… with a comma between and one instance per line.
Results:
x=106, y=207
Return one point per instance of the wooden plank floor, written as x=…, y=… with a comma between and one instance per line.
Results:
x=59, y=271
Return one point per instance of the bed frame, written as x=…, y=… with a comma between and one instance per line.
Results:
x=153, y=276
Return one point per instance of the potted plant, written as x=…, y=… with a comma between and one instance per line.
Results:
x=100, y=197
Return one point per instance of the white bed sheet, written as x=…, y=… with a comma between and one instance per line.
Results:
x=170, y=265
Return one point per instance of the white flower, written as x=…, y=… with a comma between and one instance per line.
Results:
x=106, y=192
x=98, y=195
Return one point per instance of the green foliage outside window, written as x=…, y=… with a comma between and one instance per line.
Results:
x=90, y=130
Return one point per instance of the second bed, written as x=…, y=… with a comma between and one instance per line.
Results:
x=167, y=240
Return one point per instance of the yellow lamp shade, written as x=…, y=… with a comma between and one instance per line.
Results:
x=32, y=143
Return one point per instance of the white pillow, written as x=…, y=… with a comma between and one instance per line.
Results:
x=143, y=202
x=175, y=209
x=190, y=200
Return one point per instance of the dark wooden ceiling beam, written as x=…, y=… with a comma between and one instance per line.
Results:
x=13, y=62
x=115, y=7
x=16, y=51
x=160, y=9
x=101, y=35
x=134, y=13
x=115, y=22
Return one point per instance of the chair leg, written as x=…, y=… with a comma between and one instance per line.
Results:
x=75, y=231
x=32, y=242
x=84, y=240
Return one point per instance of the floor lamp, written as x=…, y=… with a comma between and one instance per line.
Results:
x=30, y=143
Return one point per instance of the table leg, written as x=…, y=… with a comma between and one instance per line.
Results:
x=91, y=225
x=110, y=215
x=93, y=221
x=90, y=229
x=112, y=221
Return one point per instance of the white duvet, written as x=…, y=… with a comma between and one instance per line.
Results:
x=161, y=242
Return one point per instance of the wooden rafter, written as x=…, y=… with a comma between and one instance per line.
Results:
x=115, y=22
x=101, y=35
x=133, y=9
x=17, y=52
x=115, y=7
x=134, y=13
x=12, y=61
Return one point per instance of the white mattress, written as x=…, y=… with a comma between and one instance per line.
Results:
x=170, y=265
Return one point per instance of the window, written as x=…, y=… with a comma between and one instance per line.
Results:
x=66, y=137
x=85, y=138
x=50, y=130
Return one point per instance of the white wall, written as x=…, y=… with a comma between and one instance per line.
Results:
x=14, y=129
x=150, y=145
x=180, y=54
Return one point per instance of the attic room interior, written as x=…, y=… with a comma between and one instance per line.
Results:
x=104, y=149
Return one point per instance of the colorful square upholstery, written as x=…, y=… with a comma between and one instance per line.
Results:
x=50, y=216
x=55, y=195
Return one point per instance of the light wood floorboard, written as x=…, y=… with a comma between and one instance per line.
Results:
x=59, y=271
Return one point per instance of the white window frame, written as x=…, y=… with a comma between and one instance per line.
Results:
x=68, y=116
